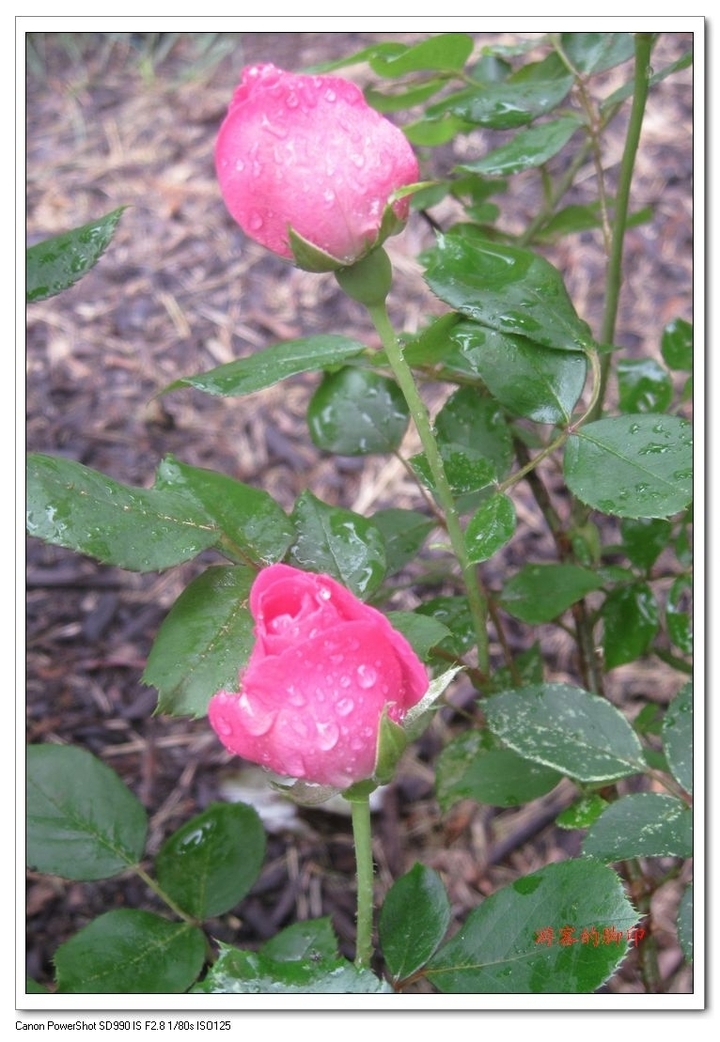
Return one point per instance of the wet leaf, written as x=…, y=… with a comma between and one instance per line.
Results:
x=644, y=824
x=82, y=820
x=238, y=972
x=203, y=642
x=540, y=934
x=253, y=525
x=127, y=952
x=644, y=385
x=529, y=148
x=413, y=920
x=534, y=90
x=490, y=528
x=568, y=729
x=355, y=412
x=677, y=736
x=477, y=767
x=264, y=368
x=210, y=863
x=57, y=263
x=677, y=345
x=144, y=530
x=630, y=621
x=339, y=543
x=506, y=288
x=540, y=592
x=632, y=466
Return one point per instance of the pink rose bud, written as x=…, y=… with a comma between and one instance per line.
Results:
x=323, y=669
x=308, y=153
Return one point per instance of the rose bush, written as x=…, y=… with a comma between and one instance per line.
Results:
x=323, y=669
x=307, y=153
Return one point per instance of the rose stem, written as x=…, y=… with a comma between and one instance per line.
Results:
x=418, y=410
x=362, y=835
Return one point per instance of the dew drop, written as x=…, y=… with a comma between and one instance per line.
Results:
x=330, y=95
x=255, y=223
x=327, y=735
x=345, y=680
x=292, y=100
x=367, y=676
x=345, y=706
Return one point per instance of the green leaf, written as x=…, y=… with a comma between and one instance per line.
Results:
x=144, y=530
x=529, y=148
x=445, y=52
x=540, y=592
x=203, y=642
x=685, y=923
x=474, y=766
x=525, y=378
x=404, y=532
x=307, y=939
x=632, y=466
x=677, y=345
x=630, y=621
x=619, y=95
x=57, y=263
x=404, y=98
x=238, y=972
x=644, y=539
x=677, y=737
x=355, y=412
x=596, y=52
x=582, y=813
x=561, y=930
x=644, y=385
x=465, y=469
x=532, y=91
x=490, y=528
x=211, y=862
x=421, y=631
x=129, y=952
x=578, y=218
x=338, y=542
x=644, y=824
x=454, y=613
x=677, y=619
x=82, y=821
x=506, y=288
x=413, y=920
x=564, y=727
x=265, y=368
x=249, y=518
x=433, y=132
x=477, y=425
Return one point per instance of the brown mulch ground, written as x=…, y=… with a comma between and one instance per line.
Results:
x=120, y=119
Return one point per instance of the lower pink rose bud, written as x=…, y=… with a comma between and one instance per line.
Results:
x=323, y=669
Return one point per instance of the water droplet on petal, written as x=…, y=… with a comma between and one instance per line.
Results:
x=367, y=676
x=345, y=680
x=345, y=706
x=256, y=720
x=255, y=223
x=330, y=94
x=223, y=727
x=327, y=735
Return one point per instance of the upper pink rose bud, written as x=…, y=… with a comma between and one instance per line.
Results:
x=323, y=669
x=308, y=153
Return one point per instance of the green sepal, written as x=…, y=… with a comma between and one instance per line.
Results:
x=391, y=744
x=368, y=280
x=310, y=257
